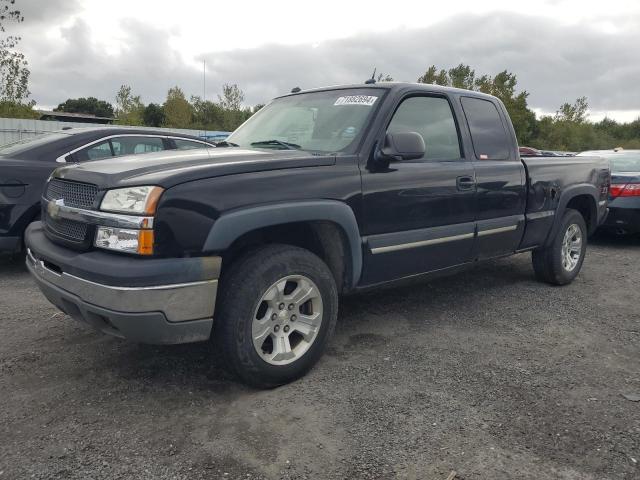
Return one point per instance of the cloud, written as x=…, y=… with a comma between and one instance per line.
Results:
x=36, y=13
x=553, y=61
x=78, y=66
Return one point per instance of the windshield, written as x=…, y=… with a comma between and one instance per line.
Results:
x=325, y=122
x=20, y=146
x=624, y=162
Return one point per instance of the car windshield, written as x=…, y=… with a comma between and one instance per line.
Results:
x=624, y=161
x=21, y=146
x=620, y=161
x=324, y=122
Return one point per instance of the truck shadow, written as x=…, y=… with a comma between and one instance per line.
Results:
x=461, y=288
x=612, y=240
x=196, y=366
x=362, y=324
x=12, y=264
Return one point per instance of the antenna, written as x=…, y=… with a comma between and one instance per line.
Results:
x=372, y=80
x=204, y=90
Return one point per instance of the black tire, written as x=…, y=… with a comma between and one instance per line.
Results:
x=548, y=261
x=241, y=290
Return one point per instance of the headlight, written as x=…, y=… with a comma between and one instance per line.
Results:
x=141, y=200
x=125, y=240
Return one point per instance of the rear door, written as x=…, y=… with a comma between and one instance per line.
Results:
x=500, y=178
x=419, y=214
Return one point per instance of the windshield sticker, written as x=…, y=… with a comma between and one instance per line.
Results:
x=367, y=100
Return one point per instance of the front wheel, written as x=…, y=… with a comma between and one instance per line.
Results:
x=278, y=308
x=561, y=261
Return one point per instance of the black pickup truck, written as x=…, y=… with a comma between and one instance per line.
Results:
x=321, y=193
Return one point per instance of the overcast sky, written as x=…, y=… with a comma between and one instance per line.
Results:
x=559, y=50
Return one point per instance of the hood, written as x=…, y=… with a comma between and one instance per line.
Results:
x=172, y=167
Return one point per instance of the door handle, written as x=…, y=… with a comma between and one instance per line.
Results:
x=465, y=183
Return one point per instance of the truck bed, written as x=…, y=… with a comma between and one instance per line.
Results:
x=548, y=177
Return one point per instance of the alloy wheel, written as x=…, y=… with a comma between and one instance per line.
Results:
x=287, y=320
x=571, y=247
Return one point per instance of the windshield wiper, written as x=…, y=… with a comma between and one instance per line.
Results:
x=224, y=143
x=286, y=145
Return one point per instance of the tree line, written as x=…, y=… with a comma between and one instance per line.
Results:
x=568, y=129
x=226, y=114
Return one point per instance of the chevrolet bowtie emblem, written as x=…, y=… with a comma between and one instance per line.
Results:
x=54, y=207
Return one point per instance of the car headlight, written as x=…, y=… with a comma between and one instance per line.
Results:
x=137, y=200
x=125, y=240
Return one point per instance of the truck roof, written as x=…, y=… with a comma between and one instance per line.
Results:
x=395, y=86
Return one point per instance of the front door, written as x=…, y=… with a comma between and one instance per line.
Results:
x=419, y=214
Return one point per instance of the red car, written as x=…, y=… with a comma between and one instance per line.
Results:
x=529, y=152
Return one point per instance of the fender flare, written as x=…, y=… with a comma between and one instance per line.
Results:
x=232, y=225
x=565, y=197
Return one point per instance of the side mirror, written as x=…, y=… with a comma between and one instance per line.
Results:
x=402, y=146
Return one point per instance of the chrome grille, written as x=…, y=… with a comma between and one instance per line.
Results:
x=67, y=229
x=74, y=194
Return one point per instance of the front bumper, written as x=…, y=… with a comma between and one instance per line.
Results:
x=159, y=301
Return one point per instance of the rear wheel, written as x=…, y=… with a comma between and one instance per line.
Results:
x=561, y=261
x=278, y=308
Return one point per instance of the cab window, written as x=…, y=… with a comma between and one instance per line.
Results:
x=488, y=135
x=432, y=118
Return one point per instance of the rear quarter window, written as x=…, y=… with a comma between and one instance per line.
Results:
x=95, y=152
x=488, y=135
x=183, y=144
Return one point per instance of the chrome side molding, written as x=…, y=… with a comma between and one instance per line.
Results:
x=422, y=243
x=493, y=231
x=440, y=240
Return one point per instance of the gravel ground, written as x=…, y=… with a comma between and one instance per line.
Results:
x=487, y=373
